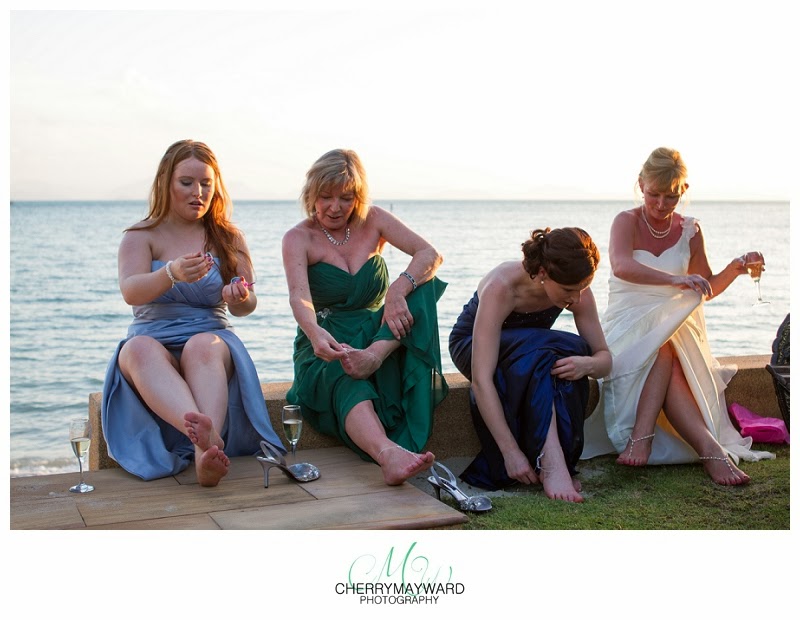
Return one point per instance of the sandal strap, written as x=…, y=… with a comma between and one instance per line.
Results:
x=272, y=453
x=451, y=478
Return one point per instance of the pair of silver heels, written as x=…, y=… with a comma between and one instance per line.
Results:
x=476, y=503
x=299, y=472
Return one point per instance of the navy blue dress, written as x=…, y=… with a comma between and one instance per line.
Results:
x=528, y=350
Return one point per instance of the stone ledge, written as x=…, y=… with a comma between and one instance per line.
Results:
x=453, y=433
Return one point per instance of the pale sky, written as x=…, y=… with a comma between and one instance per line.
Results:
x=453, y=101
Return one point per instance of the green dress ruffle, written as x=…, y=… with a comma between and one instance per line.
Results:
x=407, y=386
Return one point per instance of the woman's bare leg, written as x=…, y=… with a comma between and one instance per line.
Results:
x=555, y=477
x=685, y=416
x=154, y=373
x=397, y=464
x=206, y=365
x=651, y=401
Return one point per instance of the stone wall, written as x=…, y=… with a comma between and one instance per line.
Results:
x=453, y=433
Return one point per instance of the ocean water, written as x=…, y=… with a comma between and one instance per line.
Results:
x=67, y=315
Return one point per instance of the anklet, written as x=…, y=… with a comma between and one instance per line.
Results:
x=633, y=442
x=375, y=357
x=719, y=458
x=390, y=447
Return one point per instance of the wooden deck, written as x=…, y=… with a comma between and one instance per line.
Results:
x=350, y=494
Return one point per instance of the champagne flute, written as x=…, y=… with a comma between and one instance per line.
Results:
x=754, y=262
x=80, y=435
x=292, y=426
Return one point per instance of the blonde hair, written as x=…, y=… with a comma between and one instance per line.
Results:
x=337, y=169
x=221, y=234
x=665, y=170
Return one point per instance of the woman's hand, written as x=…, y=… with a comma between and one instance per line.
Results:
x=519, y=468
x=693, y=282
x=191, y=267
x=572, y=368
x=237, y=292
x=397, y=315
x=751, y=258
x=325, y=346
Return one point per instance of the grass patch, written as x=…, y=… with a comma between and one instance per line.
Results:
x=670, y=497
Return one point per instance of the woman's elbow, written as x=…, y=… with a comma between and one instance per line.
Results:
x=480, y=385
x=436, y=258
x=129, y=296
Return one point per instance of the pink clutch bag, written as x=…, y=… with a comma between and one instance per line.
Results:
x=761, y=429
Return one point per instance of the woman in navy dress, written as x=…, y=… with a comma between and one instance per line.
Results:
x=529, y=383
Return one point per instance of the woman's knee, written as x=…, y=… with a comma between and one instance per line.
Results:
x=141, y=350
x=666, y=352
x=142, y=353
x=205, y=348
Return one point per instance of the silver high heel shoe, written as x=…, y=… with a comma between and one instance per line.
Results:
x=299, y=472
x=476, y=503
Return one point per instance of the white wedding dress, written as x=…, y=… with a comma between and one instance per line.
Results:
x=638, y=321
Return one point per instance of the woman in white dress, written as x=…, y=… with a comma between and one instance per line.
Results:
x=664, y=399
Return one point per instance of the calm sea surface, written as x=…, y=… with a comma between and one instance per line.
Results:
x=66, y=312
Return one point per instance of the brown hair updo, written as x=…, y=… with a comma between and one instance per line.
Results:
x=568, y=255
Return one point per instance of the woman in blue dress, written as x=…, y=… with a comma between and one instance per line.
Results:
x=182, y=386
x=529, y=383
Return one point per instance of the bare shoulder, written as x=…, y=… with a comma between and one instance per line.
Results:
x=241, y=242
x=626, y=218
x=380, y=218
x=498, y=285
x=137, y=235
x=299, y=233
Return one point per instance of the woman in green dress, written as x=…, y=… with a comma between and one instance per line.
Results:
x=367, y=365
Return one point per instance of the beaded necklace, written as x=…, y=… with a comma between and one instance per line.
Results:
x=657, y=234
x=332, y=240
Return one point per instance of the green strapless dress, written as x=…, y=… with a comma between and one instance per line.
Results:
x=407, y=386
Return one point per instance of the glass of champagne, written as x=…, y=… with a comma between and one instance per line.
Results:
x=80, y=434
x=292, y=426
x=754, y=262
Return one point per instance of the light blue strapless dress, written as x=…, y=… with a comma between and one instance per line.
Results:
x=140, y=441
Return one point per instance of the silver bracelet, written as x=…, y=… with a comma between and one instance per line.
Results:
x=169, y=273
x=410, y=279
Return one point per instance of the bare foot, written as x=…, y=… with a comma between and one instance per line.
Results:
x=637, y=451
x=723, y=471
x=398, y=464
x=360, y=363
x=211, y=465
x=201, y=431
x=577, y=485
x=557, y=482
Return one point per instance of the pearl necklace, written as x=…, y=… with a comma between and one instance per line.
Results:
x=332, y=240
x=657, y=234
